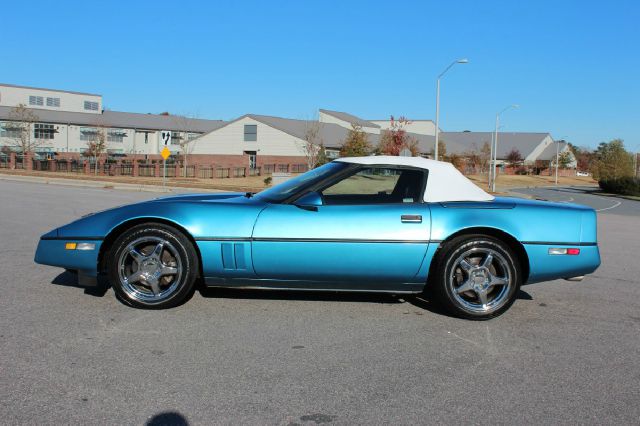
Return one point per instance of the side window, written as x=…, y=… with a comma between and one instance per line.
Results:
x=250, y=132
x=377, y=185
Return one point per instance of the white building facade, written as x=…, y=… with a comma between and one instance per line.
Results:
x=67, y=122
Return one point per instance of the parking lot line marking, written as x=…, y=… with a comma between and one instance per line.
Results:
x=611, y=207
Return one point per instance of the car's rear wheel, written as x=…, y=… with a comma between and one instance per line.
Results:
x=477, y=277
x=152, y=266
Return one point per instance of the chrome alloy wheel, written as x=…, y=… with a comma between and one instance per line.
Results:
x=149, y=269
x=480, y=280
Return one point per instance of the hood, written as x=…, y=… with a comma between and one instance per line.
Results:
x=198, y=197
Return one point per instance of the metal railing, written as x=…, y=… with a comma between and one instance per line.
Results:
x=223, y=172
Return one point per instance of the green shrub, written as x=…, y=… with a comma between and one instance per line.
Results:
x=625, y=185
x=267, y=181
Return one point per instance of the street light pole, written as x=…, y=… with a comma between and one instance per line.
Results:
x=459, y=61
x=494, y=156
x=490, y=172
x=557, y=159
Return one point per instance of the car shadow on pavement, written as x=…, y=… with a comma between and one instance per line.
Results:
x=428, y=302
x=168, y=418
x=70, y=279
x=327, y=296
x=424, y=300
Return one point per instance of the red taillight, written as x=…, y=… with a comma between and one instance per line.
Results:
x=573, y=251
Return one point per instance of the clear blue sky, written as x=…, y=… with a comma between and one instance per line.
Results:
x=573, y=66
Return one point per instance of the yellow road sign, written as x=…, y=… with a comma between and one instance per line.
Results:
x=165, y=153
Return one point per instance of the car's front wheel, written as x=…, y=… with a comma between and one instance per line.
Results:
x=152, y=266
x=477, y=276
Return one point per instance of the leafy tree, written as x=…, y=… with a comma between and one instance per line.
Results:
x=356, y=144
x=322, y=156
x=394, y=140
x=612, y=161
x=565, y=159
x=514, y=157
x=584, y=157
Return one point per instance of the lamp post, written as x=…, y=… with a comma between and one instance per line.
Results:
x=557, y=159
x=494, y=156
x=459, y=61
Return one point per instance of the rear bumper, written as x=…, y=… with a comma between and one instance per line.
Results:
x=52, y=252
x=545, y=267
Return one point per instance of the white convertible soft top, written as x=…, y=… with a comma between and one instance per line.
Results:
x=445, y=182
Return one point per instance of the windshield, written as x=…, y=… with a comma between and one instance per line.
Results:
x=290, y=187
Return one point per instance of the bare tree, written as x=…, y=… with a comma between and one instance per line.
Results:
x=514, y=158
x=313, y=144
x=22, y=126
x=97, y=144
x=184, y=124
x=485, y=156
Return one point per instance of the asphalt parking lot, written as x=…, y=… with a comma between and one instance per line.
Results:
x=566, y=352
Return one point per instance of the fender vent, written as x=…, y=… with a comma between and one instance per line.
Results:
x=234, y=256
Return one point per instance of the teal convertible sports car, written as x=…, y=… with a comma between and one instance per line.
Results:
x=374, y=224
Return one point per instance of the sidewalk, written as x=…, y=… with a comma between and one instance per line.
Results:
x=102, y=184
x=136, y=184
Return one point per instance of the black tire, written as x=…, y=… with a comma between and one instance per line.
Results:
x=153, y=266
x=470, y=284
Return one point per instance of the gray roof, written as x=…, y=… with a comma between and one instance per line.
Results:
x=396, y=118
x=462, y=142
x=331, y=134
x=549, y=153
x=128, y=120
x=48, y=90
x=349, y=118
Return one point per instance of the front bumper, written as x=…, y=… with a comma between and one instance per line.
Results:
x=51, y=251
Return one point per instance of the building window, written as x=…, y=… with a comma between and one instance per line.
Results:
x=36, y=100
x=332, y=153
x=9, y=130
x=176, y=138
x=88, y=134
x=250, y=132
x=192, y=136
x=116, y=135
x=43, y=131
x=90, y=106
x=53, y=102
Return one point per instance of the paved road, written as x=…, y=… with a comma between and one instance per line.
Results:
x=564, y=353
x=586, y=195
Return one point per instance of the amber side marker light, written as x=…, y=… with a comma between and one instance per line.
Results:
x=565, y=251
x=80, y=246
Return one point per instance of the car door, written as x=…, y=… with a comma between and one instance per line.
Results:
x=371, y=227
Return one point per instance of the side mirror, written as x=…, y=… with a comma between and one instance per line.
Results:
x=310, y=201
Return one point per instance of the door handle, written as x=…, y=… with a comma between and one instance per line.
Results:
x=411, y=218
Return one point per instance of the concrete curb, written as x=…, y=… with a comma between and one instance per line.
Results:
x=102, y=185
